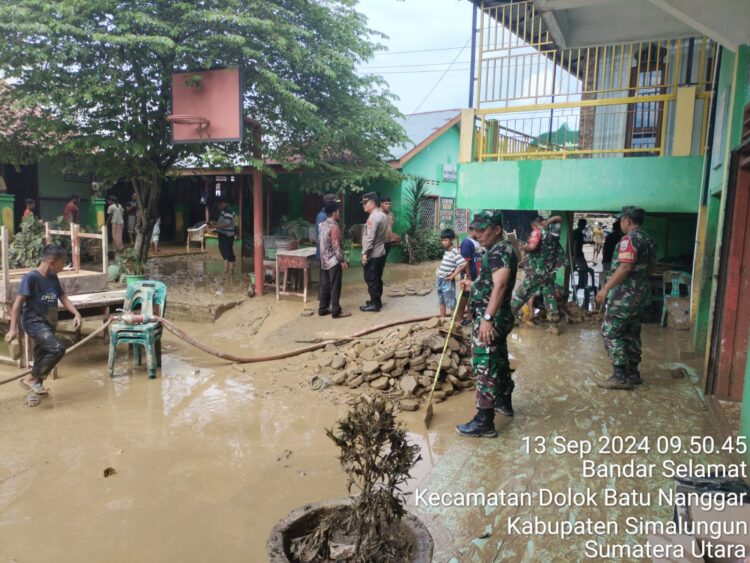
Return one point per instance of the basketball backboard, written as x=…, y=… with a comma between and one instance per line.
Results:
x=207, y=106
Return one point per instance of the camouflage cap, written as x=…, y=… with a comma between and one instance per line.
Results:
x=486, y=218
x=632, y=212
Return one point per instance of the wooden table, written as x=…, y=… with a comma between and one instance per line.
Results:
x=301, y=259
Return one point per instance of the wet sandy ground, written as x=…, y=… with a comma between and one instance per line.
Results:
x=208, y=458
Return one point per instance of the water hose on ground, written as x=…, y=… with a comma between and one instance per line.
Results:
x=136, y=319
x=73, y=348
x=247, y=360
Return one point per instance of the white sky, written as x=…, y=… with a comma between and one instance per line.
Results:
x=422, y=25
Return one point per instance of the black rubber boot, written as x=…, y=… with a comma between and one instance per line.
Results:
x=618, y=380
x=634, y=374
x=481, y=426
x=503, y=404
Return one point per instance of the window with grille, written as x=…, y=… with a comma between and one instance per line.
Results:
x=462, y=220
x=428, y=212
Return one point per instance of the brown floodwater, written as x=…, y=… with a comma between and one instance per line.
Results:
x=207, y=458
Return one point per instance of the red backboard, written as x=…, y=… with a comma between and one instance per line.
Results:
x=207, y=106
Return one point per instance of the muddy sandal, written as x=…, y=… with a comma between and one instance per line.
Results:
x=36, y=388
x=39, y=389
x=33, y=400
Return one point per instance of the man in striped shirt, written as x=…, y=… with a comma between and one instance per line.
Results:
x=451, y=266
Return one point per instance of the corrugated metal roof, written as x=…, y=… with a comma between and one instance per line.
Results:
x=419, y=126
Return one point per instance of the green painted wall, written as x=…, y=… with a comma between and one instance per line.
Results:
x=658, y=184
x=428, y=163
x=54, y=192
x=731, y=126
x=674, y=234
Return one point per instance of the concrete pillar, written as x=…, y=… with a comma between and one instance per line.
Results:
x=7, y=208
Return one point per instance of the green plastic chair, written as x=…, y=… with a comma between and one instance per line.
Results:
x=147, y=298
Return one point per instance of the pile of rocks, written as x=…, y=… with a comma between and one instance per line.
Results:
x=402, y=364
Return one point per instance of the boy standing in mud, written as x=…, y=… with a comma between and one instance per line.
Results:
x=39, y=293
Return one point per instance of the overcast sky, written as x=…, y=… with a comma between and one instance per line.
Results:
x=435, y=33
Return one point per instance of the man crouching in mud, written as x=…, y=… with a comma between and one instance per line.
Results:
x=38, y=293
x=492, y=321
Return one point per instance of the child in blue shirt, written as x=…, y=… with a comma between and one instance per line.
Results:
x=39, y=293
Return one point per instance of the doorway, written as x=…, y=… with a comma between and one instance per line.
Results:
x=728, y=350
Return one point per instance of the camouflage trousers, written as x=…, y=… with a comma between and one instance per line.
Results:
x=530, y=286
x=490, y=362
x=621, y=331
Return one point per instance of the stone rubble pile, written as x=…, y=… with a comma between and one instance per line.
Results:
x=403, y=363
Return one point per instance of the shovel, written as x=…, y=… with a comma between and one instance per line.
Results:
x=428, y=412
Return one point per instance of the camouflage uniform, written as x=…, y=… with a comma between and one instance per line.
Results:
x=490, y=362
x=544, y=262
x=626, y=303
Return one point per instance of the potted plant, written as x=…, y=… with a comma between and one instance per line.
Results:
x=373, y=525
x=131, y=266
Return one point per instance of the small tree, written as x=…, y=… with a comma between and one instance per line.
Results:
x=102, y=70
x=422, y=243
x=377, y=459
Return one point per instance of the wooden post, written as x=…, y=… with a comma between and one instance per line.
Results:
x=46, y=233
x=242, y=220
x=75, y=246
x=257, y=210
x=105, y=249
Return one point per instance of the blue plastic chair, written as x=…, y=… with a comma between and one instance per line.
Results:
x=147, y=298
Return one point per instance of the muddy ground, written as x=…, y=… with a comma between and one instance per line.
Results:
x=207, y=457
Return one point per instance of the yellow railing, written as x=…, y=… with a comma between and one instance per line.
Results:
x=521, y=71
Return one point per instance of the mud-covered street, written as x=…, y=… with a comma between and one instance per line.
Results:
x=210, y=455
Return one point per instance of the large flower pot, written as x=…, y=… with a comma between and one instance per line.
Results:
x=302, y=520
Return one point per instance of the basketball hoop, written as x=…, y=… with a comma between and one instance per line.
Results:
x=201, y=123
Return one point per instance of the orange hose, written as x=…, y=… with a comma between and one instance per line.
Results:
x=246, y=360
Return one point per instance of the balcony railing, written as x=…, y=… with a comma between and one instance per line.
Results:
x=609, y=100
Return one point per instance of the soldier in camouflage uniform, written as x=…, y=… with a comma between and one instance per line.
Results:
x=492, y=321
x=628, y=294
x=545, y=257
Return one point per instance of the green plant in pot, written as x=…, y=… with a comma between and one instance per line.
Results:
x=373, y=524
x=131, y=266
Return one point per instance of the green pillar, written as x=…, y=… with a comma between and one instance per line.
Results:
x=7, y=205
x=181, y=217
x=97, y=213
x=745, y=418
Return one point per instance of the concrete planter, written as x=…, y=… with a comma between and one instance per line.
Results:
x=302, y=520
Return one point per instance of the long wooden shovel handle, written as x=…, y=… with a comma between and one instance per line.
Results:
x=445, y=346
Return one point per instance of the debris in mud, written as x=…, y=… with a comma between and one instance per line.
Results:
x=307, y=313
x=402, y=364
x=109, y=471
x=678, y=373
x=318, y=383
x=285, y=455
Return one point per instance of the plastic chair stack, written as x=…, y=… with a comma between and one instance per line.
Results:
x=145, y=298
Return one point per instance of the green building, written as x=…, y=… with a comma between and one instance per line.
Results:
x=658, y=96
